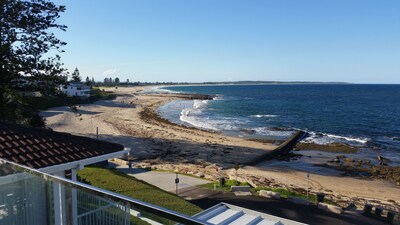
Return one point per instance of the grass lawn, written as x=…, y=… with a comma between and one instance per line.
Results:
x=285, y=193
x=113, y=180
x=227, y=186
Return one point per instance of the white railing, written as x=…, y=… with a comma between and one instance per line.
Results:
x=27, y=197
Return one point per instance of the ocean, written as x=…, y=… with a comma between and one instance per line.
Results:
x=366, y=116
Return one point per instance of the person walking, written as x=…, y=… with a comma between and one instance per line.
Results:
x=130, y=165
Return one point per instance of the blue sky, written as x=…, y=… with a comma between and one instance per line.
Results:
x=214, y=40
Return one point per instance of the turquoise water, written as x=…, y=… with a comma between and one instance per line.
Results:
x=364, y=115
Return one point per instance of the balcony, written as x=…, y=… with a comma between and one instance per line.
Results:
x=31, y=197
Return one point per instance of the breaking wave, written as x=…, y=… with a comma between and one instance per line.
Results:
x=263, y=116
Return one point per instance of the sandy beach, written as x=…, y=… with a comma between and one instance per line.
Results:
x=132, y=121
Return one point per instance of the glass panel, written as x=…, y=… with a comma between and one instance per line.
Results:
x=29, y=197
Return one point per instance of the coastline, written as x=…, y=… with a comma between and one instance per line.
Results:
x=160, y=144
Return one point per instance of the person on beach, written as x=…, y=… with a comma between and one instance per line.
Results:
x=130, y=165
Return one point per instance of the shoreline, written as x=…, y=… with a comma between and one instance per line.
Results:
x=161, y=144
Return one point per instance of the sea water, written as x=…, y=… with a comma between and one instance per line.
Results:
x=367, y=116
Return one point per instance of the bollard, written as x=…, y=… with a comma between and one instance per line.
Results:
x=221, y=181
x=378, y=212
x=367, y=210
x=390, y=217
x=320, y=197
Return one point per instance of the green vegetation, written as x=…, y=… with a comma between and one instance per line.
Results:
x=227, y=186
x=25, y=110
x=121, y=183
x=137, y=221
x=284, y=193
x=45, y=102
x=28, y=63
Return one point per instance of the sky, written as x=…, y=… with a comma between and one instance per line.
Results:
x=354, y=41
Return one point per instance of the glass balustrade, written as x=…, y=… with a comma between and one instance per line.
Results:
x=30, y=197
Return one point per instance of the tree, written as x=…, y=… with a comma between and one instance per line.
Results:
x=87, y=81
x=116, y=80
x=27, y=44
x=75, y=76
x=26, y=37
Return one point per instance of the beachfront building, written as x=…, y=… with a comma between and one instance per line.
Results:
x=38, y=186
x=75, y=89
x=30, y=158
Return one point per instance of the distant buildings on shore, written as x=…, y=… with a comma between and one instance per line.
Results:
x=75, y=89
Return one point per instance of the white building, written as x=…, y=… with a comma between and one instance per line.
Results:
x=76, y=89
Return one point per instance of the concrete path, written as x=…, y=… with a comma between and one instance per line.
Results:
x=160, y=179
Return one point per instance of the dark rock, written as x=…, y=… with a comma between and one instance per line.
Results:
x=383, y=159
x=332, y=147
x=349, y=160
x=280, y=129
x=336, y=160
x=248, y=131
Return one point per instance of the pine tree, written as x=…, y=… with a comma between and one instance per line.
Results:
x=26, y=40
x=75, y=76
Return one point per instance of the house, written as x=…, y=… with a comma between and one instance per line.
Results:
x=47, y=152
x=75, y=89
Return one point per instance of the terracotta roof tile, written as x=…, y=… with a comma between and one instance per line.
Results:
x=39, y=148
x=22, y=157
x=52, y=161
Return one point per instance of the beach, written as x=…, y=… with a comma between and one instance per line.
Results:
x=132, y=120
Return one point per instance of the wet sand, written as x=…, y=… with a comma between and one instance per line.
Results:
x=132, y=121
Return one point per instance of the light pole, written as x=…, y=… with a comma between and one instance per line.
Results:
x=308, y=184
x=176, y=183
x=236, y=171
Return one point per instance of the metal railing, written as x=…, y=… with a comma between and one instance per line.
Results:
x=112, y=196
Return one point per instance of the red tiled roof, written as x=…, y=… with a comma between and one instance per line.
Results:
x=39, y=148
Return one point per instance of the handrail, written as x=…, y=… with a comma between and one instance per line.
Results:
x=121, y=199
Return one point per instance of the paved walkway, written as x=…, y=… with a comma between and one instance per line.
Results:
x=161, y=179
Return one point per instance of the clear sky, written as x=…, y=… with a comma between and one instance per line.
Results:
x=227, y=40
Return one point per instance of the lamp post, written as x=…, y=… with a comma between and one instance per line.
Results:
x=236, y=171
x=308, y=184
x=176, y=183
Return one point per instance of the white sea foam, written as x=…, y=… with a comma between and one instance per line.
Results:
x=324, y=138
x=192, y=120
x=359, y=140
x=218, y=98
x=199, y=104
x=267, y=132
x=205, y=123
x=195, y=117
x=158, y=90
x=263, y=116
x=188, y=115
